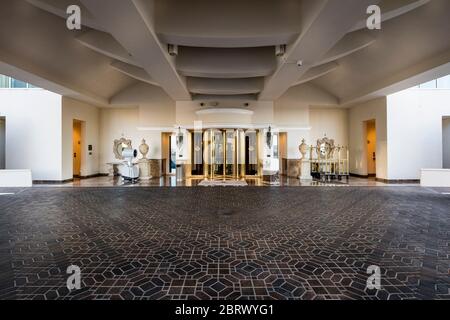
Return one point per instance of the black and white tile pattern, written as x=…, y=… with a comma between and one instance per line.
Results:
x=225, y=243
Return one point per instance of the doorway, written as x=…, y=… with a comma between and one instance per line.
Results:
x=446, y=142
x=223, y=153
x=169, y=153
x=283, y=152
x=371, y=138
x=77, y=147
x=2, y=143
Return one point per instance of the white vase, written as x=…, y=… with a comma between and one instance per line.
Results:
x=303, y=149
x=144, y=148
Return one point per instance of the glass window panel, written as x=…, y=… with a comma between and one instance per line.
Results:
x=4, y=81
x=275, y=146
x=18, y=84
x=198, y=147
x=428, y=85
x=218, y=147
x=230, y=147
x=252, y=147
x=444, y=83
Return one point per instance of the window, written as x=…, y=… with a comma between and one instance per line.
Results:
x=441, y=83
x=18, y=84
x=4, y=81
x=11, y=83
x=428, y=85
x=444, y=83
x=275, y=146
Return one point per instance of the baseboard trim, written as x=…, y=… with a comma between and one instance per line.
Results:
x=359, y=175
x=52, y=181
x=401, y=181
x=97, y=175
x=70, y=180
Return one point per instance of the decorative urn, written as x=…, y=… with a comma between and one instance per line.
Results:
x=303, y=149
x=144, y=148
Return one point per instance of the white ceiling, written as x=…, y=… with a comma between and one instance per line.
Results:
x=226, y=48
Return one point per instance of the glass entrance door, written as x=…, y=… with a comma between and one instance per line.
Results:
x=223, y=154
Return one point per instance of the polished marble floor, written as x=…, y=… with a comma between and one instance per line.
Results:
x=225, y=243
x=171, y=181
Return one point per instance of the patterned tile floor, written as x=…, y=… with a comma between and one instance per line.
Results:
x=225, y=243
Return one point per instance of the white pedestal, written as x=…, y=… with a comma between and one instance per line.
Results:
x=305, y=170
x=144, y=169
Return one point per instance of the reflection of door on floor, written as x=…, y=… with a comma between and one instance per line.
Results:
x=371, y=137
x=2, y=144
x=76, y=148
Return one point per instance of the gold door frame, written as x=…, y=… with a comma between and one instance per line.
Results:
x=239, y=163
x=212, y=154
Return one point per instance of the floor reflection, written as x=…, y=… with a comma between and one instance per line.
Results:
x=171, y=181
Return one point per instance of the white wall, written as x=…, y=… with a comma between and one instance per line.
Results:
x=292, y=115
x=332, y=122
x=33, y=131
x=156, y=108
x=90, y=117
x=446, y=143
x=117, y=123
x=415, y=131
x=357, y=115
x=2, y=144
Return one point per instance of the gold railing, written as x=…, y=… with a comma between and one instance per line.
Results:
x=333, y=163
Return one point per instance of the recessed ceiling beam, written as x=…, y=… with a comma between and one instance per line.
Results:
x=134, y=72
x=225, y=86
x=317, y=72
x=328, y=22
x=104, y=43
x=18, y=70
x=351, y=43
x=236, y=98
x=131, y=24
x=226, y=63
x=433, y=68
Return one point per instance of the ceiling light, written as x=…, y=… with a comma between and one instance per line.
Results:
x=280, y=50
x=172, y=49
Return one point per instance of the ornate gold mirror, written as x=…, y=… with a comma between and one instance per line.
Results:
x=118, y=147
x=325, y=148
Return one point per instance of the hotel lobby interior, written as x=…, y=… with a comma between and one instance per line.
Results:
x=225, y=150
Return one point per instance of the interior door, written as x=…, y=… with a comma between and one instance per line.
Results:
x=76, y=148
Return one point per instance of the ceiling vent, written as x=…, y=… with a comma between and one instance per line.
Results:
x=280, y=50
x=172, y=49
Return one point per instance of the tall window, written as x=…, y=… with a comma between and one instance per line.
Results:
x=441, y=83
x=11, y=83
x=428, y=85
x=444, y=83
